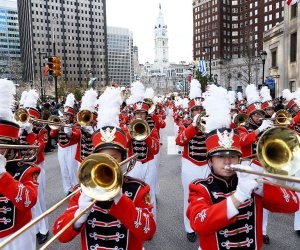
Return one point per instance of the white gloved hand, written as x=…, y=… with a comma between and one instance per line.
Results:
x=118, y=197
x=246, y=184
x=265, y=125
x=21, y=131
x=83, y=202
x=89, y=129
x=28, y=127
x=68, y=131
x=2, y=164
x=195, y=120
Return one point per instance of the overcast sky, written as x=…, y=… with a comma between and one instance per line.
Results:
x=139, y=16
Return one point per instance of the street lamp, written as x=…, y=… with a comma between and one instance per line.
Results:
x=210, y=56
x=263, y=55
x=216, y=79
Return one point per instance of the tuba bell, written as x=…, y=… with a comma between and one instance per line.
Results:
x=84, y=117
x=139, y=129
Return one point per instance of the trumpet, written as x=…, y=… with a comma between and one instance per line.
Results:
x=102, y=179
x=278, y=150
x=139, y=129
x=84, y=117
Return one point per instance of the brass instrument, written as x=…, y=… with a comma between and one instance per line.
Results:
x=84, y=117
x=152, y=105
x=201, y=122
x=22, y=116
x=139, y=129
x=278, y=150
x=282, y=118
x=241, y=120
x=102, y=179
x=28, y=156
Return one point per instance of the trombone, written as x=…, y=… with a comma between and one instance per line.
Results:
x=32, y=151
x=281, y=118
x=278, y=150
x=139, y=129
x=100, y=175
x=201, y=122
x=241, y=120
x=84, y=117
x=22, y=116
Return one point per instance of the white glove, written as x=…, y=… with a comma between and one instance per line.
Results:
x=28, y=127
x=2, y=164
x=89, y=129
x=118, y=197
x=246, y=184
x=68, y=131
x=21, y=131
x=83, y=202
x=265, y=125
x=195, y=120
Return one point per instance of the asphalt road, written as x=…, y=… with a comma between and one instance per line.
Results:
x=170, y=230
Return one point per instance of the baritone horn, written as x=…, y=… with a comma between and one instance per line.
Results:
x=278, y=151
x=84, y=117
x=100, y=177
x=139, y=129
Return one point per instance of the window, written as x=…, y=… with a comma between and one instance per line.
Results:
x=294, y=11
x=292, y=86
x=293, y=51
x=273, y=58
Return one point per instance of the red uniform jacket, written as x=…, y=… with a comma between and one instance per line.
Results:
x=18, y=194
x=40, y=140
x=124, y=225
x=248, y=139
x=145, y=149
x=207, y=212
x=84, y=143
x=194, y=144
x=63, y=140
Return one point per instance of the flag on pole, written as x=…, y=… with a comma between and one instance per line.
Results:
x=202, y=68
x=180, y=85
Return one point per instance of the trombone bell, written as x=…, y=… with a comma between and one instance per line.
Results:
x=278, y=150
x=241, y=120
x=139, y=129
x=21, y=115
x=100, y=177
x=84, y=117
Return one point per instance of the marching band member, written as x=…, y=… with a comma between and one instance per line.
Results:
x=67, y=147
x=194, y=164
x=293, y=108
x=225, y=209
x=124, y=222
x=234, y=108
x=267, y=104
x=145, y=168
x=33, y=133
x=83, y=135
x=251, y=132
x=19, y=187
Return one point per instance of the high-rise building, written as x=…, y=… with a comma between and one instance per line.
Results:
x=9, y=34
x=120, y=55
x=78, y=28
x=232, y=29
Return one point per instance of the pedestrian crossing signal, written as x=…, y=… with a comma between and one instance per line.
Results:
x=54, y=66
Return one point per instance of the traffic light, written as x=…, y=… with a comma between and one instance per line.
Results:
x=54, y=66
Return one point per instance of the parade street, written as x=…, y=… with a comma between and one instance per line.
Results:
x=170, y=232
